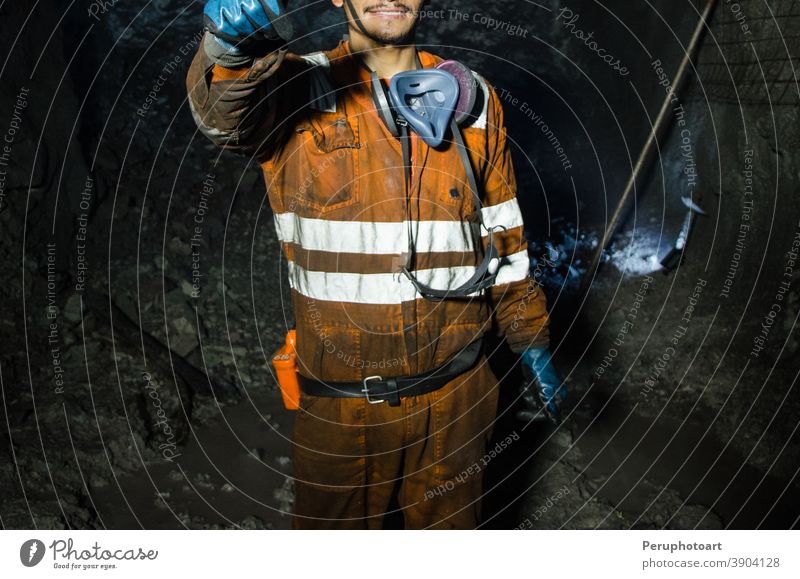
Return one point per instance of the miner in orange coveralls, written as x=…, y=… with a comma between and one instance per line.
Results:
x=394, y=198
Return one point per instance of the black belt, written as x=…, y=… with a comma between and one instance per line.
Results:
x=377, y=389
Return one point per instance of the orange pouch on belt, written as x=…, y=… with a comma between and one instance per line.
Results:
x=285, y=363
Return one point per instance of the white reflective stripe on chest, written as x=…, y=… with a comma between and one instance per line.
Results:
x=390, y=238
x=394, y=288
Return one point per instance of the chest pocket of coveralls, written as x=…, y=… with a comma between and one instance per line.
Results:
x=327, y=178
x=450, y=180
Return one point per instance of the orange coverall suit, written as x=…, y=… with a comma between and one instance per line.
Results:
x=334, y=176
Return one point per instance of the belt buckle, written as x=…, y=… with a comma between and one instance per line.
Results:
x=365, y=389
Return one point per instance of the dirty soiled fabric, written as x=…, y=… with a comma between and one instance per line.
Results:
x=350, y=456
x=335, y=181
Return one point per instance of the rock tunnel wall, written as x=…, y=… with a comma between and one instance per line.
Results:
x=683, y=383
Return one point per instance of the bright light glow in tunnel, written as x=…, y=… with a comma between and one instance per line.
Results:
x=640, y=255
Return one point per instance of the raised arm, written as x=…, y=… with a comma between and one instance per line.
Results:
x=243, y=85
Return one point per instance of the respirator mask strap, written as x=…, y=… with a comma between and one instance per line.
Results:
x=382, y=105
x=486, y=273
x=387, y=105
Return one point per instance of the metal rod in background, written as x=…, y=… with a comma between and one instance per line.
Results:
x=659, y=128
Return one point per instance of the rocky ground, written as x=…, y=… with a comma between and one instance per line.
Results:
x=131, y=399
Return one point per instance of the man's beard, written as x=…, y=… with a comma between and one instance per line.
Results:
x=385, y=38
x=391, y=39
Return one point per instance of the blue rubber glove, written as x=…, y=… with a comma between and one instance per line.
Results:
x=241, y=25
x=542, y=391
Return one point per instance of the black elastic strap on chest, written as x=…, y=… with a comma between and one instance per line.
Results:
x=405, y=145
x=482, y=278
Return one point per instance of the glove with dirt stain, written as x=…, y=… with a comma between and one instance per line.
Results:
x=542, y=391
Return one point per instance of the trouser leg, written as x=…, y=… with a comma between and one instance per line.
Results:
x=349, y=455
x=444, y=468
x=347, y=458
x=328, y=462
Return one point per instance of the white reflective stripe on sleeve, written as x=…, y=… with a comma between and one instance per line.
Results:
x=317, y=58
x=376, y=288
x=506, y=214
x=385, y=238
x=322, y=95
x=514, y=267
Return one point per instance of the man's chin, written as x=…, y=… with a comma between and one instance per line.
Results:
x=390, y=39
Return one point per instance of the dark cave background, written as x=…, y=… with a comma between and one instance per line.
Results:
x=712, y=443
